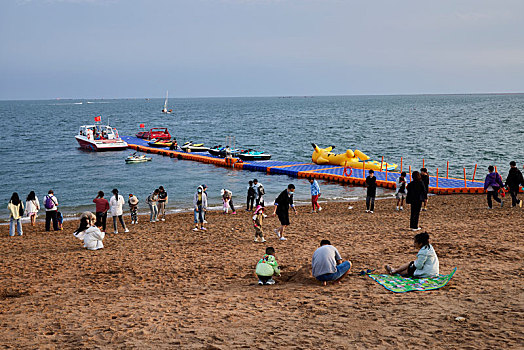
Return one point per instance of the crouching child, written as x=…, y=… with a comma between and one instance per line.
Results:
x=267, y=267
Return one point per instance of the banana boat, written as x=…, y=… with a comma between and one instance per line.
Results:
x=355, y=159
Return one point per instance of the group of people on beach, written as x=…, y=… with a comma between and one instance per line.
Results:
x=327, y=264
x=17, y=210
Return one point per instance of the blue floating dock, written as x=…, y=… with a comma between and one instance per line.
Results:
x=353, y=176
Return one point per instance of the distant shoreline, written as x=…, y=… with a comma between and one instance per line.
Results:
x=263, y=96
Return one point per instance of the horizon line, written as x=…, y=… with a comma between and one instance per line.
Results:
x=265, y=96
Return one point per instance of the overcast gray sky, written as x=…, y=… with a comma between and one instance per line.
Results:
x=140, y=48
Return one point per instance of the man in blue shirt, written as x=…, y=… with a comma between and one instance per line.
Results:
x=315, y=193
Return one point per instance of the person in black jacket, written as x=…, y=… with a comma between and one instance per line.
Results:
x=371, y=185
x=425, y=180
x=416, y=196
x=282, y=204
x=513, y=181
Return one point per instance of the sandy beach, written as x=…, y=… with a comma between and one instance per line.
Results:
x=164, y=286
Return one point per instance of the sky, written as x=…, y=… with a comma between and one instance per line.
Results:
x=201, y=48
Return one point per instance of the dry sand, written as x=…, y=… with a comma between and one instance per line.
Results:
x=164, y=286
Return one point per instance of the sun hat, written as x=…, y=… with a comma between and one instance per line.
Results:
x=133, y=200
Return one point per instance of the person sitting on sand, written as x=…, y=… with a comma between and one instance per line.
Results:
x=327, y=264
x=267, y=267
x=93, y=237
x=258, y=218
x=425, y=266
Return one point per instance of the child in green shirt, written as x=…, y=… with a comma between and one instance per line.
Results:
x=267, y=267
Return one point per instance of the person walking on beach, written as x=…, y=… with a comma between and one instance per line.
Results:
x=315, y=193
x=513, y=181
x=492, y=185
x=204, y=191
x=116, y=206
x=101, y=209
x=32, y=206
x=133, y=208
x=282, y=204
x=200, y=206
x=371, y=185
x=152, y=201
x=415, y=197
x=400, y=191
x=162, y=201
x=258, y=219
x=425, y=266
x=425, y=180
x=51, y=207
x=251, y=195
x=16, y=211
x=260, y=191
x=327, y=264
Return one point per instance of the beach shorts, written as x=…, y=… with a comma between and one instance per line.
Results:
x=401, y=195
x=264, y=279
x=284, y=218
x=341, y=270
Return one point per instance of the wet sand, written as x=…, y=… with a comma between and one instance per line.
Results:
x=165, y=286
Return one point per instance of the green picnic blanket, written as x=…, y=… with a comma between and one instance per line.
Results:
x=398, y=284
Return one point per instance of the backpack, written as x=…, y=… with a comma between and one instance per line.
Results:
x=402, y=188
x=49, y=202
x=20, y=209
x=261, y=190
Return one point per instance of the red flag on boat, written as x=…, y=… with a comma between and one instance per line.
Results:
x=142, y=125
x=98, y=119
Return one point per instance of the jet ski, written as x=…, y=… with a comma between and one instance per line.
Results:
x=254, y=155
x=222, y=152
x=160, y=143
x=135, y=158
x=194, y=147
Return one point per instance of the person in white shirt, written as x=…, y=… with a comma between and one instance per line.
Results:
x=32, y=206
x=115, y=207
x=425, y=266
x=93, y=237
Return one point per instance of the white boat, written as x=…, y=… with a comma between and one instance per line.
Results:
x=100, y=138
x=135, y=158
x=165, y=110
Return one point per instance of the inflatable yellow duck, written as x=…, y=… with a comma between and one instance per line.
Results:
x=355, y=159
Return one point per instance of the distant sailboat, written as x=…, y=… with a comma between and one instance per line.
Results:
x=165, y=110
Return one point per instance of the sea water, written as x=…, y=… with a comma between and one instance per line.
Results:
x=39, y=151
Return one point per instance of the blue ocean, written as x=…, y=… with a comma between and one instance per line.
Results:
x=40, y=152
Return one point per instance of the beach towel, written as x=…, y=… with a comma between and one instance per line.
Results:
x=400, y=284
